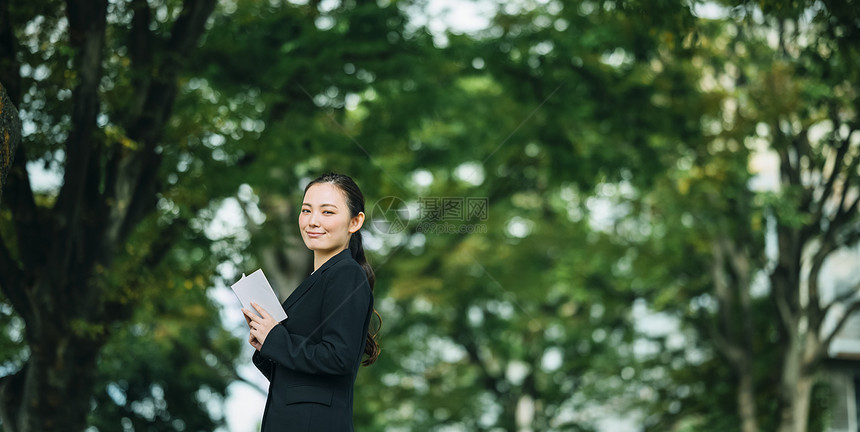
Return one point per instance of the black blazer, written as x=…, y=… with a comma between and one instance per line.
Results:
x=311, y=359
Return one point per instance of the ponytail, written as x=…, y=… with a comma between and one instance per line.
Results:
x=371, y=347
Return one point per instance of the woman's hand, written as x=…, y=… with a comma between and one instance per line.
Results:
x=260, y=327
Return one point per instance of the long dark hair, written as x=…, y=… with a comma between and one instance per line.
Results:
x=355, y=202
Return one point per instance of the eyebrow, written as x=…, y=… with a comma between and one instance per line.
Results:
x=321, y=205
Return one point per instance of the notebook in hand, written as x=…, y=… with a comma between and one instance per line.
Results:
x=255, y=288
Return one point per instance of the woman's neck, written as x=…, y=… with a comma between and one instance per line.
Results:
x=320, y=257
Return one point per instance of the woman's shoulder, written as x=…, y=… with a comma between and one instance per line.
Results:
x=346, y=277
x=347, y=266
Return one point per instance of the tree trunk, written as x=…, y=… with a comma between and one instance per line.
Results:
x=52, y=391
x=730, y=270
x=746, y=403
x=795, y=417
x=289, y=262
x=58, y=384
x=10, y=134
x=796, y=387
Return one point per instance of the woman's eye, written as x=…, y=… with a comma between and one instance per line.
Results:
x=305, y=211
x=328, y=211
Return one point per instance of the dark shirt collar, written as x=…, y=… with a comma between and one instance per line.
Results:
x=334, y=260
x=314, y=277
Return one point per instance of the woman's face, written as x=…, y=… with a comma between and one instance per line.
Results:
x=324, y=221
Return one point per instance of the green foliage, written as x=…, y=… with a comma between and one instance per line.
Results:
x=168, y=367
x=611, y=140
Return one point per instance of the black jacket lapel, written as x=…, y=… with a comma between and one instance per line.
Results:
x=313, y=278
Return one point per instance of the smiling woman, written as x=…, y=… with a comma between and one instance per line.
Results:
x=311, y=358
x=325, y=227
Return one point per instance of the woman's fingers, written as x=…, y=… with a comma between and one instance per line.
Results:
x=259, y=326
x=252, y=339
x=251, y=317
x=262, y=311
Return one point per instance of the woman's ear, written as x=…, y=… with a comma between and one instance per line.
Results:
x=356, y=222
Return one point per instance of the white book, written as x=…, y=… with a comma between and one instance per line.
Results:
x=255, y=288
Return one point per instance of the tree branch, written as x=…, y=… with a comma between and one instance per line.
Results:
x=827, y=246
x=489, y=380
x=133, y=196
x=849, y=312
x=721, y=285
x=185, y=33
x=12, y=283
x=728, y=349
x=120, y=172
x=140, y=41
x=136, y=185
x=800, y=143
x=25, y=214
x=165, y=241
x=844, y=297
x=10, y=74
x=231, y=373
x=234, y=376
x=787, y=170
x=736, y=343
x=841, y=151
x=786, y=313
x=844, y=216
x=87, y=24
x=12, y=395
x=830, y=243
x=189, y=26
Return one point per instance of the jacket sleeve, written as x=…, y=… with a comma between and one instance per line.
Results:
x=263, y=364
x=345, y=306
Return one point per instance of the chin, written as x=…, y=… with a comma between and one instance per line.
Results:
x=316, y=246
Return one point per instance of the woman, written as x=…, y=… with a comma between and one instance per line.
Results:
x=311, y=358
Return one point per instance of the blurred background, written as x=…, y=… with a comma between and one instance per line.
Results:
x=607, y=215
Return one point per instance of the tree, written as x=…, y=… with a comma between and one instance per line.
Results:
x=522, y=325
x=678, y=174
x=169, y=140
x=801, y=101
x=748, y=244
x=108, y=130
